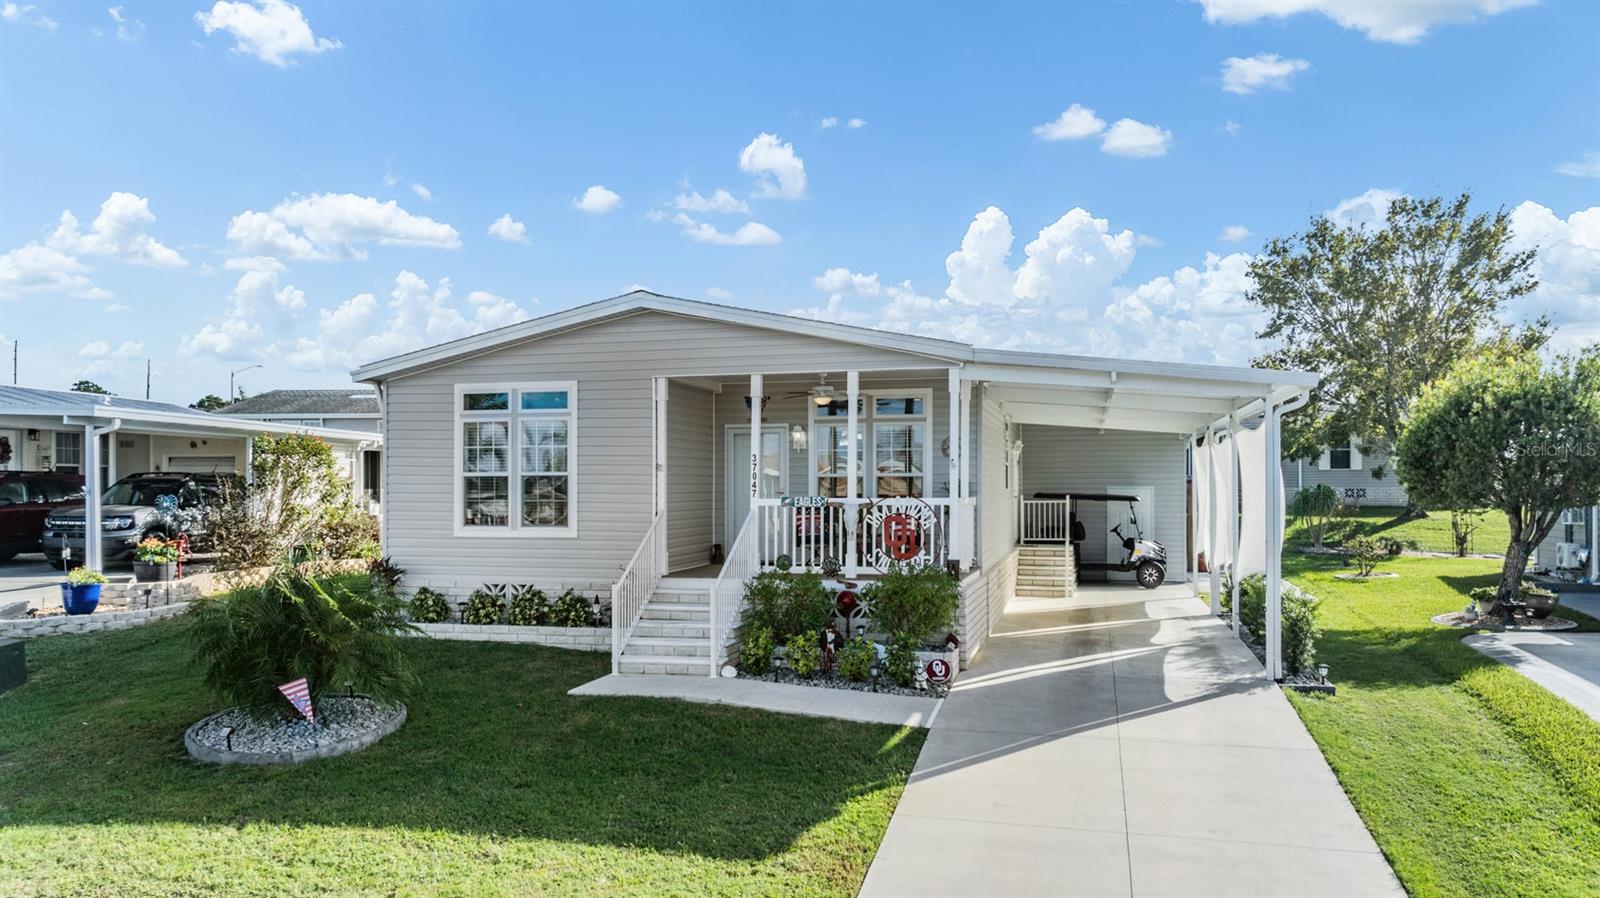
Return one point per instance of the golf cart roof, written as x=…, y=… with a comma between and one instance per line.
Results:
x=1089, y=497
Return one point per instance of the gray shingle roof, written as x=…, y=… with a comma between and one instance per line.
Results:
x=346, y=401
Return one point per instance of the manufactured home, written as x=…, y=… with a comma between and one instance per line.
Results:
x=647, y=444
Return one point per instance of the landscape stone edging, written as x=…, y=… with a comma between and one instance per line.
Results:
x=583, y=639
x=66, y=624
x=202, y=752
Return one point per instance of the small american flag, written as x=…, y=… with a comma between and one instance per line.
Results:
x=299, y=695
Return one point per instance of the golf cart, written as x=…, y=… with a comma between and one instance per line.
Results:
x=1145, y=558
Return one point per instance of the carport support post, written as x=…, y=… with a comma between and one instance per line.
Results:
x=953, y=538
x=1274, y=553
x=1233, y=513
x=92, y=488
x=852, y=463
x=1211, y=521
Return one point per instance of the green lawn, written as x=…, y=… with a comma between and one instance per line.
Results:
x=499, y=784
x=1431, y=533
x=1475, y=781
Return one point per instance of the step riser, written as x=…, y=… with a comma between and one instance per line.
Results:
x=687, y=670
x=689, y=598
x=671, y=629
x=668, y=613
x=702, y=651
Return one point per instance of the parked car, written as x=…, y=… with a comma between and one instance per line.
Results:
x=26, y=498
x=135, y=508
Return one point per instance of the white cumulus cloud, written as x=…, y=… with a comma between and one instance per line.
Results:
x=335, y=226
x=1568, y=269
x=719, y=201
x=25, y=14
x=1391, y=22
x=1075, y=123
x=1234, y=233
x=1245, y=75
x=751, y=233
x=597, y=200
x=1370, y=209
x=1586, y=167
x=1135, y=139
x=270, y=30
x=33, y=268
x=117, y=232
x=421, y=191
x=779, y=171
x=508, y=229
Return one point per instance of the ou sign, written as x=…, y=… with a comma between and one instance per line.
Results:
x=938, y=671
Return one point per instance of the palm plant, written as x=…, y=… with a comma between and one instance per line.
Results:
x=332, y=631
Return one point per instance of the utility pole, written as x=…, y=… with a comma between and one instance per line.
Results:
x=147, y=378
x=231, y=395
x=14, y=345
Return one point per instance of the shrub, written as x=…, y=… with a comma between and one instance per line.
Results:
x=428, y=607
x=803, y=654
x=755, y=656
x=297, y=497
x=788, y=604
x=569, y=610
x=155, y=550
x=529, y=607
x=1300, y=632
x=251, y=640
x=913, y=600
x=483, y=607
x=854, y=660
x=386, y=575
x=901, y=661
x=1315, y=505
x=82, y=576
x=1366, y=552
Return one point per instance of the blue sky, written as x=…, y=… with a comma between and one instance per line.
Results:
x=230, y=167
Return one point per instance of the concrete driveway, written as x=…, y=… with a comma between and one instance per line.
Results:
x=1567, y=664
x=1122, y=743
x=27, y=580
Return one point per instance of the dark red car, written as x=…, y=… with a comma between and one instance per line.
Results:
x=26, y=497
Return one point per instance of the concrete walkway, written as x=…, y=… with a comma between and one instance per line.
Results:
x=785, y=698
x=1122, y=743
x=1567, y=664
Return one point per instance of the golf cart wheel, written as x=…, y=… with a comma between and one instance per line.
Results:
x=1149, y=574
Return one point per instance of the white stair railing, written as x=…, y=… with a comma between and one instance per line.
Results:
x=743, y=561
x=1046, y=519
x=634, y=588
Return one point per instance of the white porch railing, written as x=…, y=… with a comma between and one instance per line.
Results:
x=1045, y=520
x=859, y=534
x=634, y=588
x=727, y=593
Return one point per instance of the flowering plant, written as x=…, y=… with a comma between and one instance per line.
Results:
x=156, y=550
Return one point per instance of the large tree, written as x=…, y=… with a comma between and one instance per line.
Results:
x=1503, y=431
x=1380, y=312
x=89, y=386
x=210, y=402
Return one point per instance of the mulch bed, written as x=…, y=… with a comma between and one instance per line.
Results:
x=1497, y=624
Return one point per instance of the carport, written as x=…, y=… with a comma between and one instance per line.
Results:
x=1222, y=422
x=82, y=433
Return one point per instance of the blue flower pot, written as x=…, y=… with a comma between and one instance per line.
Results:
x=81, y=599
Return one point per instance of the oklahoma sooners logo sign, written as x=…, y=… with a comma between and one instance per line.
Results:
x=902, y=530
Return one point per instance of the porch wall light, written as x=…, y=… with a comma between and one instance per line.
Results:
x=797, y=437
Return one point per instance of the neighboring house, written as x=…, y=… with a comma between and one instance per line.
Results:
x=105, y=438
x=1578, y=528
x=1350, y=472
x=608, y=449
x=343, y=409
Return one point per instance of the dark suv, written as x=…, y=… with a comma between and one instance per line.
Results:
x=137, y=507
x=26, y=497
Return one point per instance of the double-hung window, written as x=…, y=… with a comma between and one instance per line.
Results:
x=900, y=444
x=832, y=449
x=69, y=452
x=515, y=453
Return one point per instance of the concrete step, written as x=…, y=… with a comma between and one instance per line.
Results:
x=1040, y=570
x=667, y=645
x=680, y=598
x=664, y=664
x=1043, y=582
x=678, y=629
x=683, y=611
x=1041, y=592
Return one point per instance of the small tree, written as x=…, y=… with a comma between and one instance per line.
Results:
x=297, y=498
x=1314, y=505
x=89, y=386
x=210, y=402
x=1463, y=523
x=1502, y=431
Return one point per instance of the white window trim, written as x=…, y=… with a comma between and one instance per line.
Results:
x=514, y=528
x=867, y=457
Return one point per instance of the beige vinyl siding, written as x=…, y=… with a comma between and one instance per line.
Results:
x=689, y=461
x=1080, y=460
x=614, y=364
x=1356, y=486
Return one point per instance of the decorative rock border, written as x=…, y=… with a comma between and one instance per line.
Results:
x=583, y=639
x=56, y=624
x=1458, y=621
x=202, y=752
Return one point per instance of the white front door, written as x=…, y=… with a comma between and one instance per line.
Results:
x=774, y=480
x=1117, y=513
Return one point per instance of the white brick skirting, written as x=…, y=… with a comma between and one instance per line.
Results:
x=583, y=639
x=28, y=628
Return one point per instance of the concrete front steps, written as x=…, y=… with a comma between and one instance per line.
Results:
x=673, y=635
x=1045, y=571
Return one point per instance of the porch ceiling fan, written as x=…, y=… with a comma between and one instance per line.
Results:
x=821, y=394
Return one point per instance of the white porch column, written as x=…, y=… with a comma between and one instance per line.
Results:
x=92, y=488
x=1212, y=567
x=968, y=521
x=1274, y=556
x=953, y=538
x=755, y=439
x=660, y=442
x=852, y=464
x=1233, y=514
